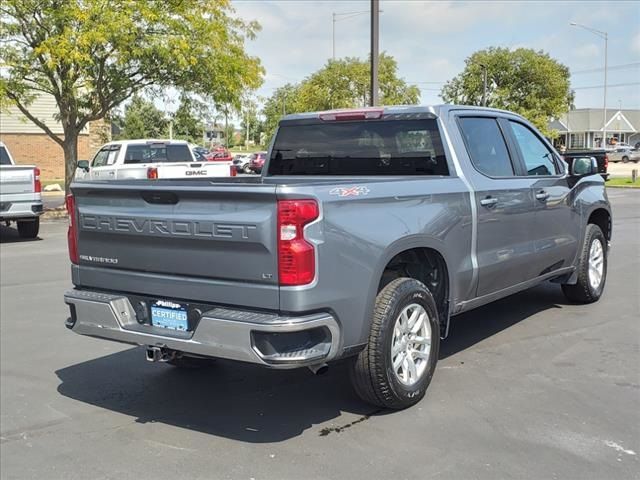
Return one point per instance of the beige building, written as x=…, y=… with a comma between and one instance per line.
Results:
x=582, y=127
x=28, y=144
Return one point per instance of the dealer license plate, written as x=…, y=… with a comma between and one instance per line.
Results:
x=171, y=315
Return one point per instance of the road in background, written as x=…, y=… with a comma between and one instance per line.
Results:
x=528, y=387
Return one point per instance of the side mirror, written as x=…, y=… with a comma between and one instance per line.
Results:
x=84, y=165
x=584, y=166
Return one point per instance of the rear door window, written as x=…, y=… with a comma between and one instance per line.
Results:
x=538, y=159
x=373, y=147
x=486, y=146
x=157, y=153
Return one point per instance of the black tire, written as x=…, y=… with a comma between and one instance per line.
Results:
x=625, y=159
x=184, y=361
x=29, y=228
x=583, y=291
x=247, y=169
x=371, y=371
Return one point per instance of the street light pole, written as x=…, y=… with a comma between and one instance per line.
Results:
x=375, y=34
x=333, y=38
x=338, y=17
x=605, y=37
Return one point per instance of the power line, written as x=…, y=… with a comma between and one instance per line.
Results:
x=608, y=86
x=623, y=66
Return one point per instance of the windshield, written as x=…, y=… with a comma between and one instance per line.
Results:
x=4, y=157
x=383, y=147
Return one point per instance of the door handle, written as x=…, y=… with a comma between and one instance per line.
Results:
x=112, y=173
x=542, y=195
x=488, y=202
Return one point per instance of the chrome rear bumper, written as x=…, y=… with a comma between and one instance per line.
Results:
x=220, y=333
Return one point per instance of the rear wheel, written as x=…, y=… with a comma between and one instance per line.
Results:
x=29, y=228
x=625, y=159
x=396, y=367
x=246, y=168
x=592, y=268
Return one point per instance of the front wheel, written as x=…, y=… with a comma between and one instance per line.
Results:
x=625, y=159
x=396, y=367
x=592, y=268
x=247, y=168
x=29, y=228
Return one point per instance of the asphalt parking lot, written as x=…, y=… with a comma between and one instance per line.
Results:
x=528, y=387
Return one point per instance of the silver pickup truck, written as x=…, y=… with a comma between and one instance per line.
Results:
x=367, y=231
x=20, y=195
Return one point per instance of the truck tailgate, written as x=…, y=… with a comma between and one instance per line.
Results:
x=213, y=237
x=16, y=179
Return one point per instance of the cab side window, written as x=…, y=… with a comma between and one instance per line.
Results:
x=538, y=159
x=486, y=146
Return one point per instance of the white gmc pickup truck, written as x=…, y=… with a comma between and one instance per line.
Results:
x=20, y=195
x=152, y=159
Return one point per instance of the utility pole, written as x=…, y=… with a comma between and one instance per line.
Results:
x=484, y=84
x=605, y=37
x=604, y=115
x=375, y=34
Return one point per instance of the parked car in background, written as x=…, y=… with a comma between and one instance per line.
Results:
x=623, y=153
x=20, y=195
x=241, y=162
x=257, y=161
x=367, y=232
x=219, y=154
x=601, y=157
x=152, y=159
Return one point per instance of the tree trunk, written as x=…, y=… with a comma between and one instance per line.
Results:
x=70, y=148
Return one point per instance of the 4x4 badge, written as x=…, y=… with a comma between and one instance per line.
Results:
x=350, y=191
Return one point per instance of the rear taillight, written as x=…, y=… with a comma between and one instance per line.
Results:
x=232, y=170
x=152, y=173
x=37, y=185
x=606, y=162
x=296, y=256
x=72, y=233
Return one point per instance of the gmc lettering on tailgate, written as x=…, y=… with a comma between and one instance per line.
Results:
x=171, y=228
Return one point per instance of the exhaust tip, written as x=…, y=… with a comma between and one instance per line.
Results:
x=319, y=369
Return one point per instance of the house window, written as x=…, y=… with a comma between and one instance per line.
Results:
x=577, y=140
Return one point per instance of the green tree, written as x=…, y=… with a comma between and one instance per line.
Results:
x=282, y=101
x=142, y=120
x=250, y=124
x=524, y=81
x=343, y=83
x=91, y=55
x=187, y=119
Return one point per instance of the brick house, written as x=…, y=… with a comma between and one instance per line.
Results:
x=28, y=144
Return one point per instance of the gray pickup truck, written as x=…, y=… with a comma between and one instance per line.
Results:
x=367, y=231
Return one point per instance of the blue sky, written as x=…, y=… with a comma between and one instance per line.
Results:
x=430, y=40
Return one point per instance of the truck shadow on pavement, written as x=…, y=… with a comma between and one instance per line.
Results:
x=10, y=235
x=253, y=404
